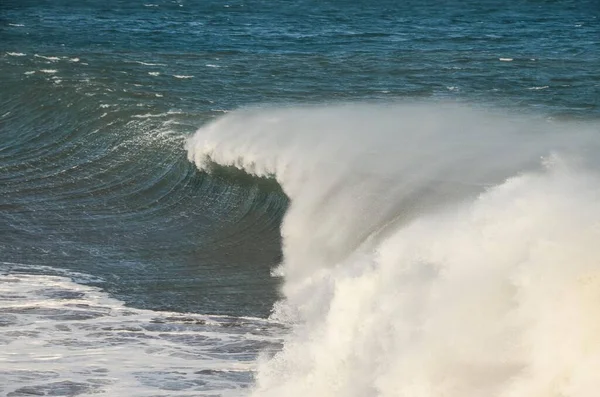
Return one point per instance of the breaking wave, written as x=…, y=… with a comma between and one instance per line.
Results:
x=428, y=250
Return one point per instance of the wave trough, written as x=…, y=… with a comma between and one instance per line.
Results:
x=428, y=250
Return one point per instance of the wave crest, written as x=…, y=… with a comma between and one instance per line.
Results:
x=427, y=249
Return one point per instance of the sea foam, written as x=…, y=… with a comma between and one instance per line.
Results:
x=429, y=250
x=63, y=338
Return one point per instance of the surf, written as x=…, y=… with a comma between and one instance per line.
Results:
x=428, y=249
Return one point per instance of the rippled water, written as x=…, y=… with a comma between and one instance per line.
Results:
x=97, y=100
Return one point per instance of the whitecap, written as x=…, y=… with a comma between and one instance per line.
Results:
x=154, y=73
x=49, y=71
x=53, y=59
x=16, y=25
x=16, y=54
x=157, y=115
x=505, y=59
x=539, y=88
x=150, y=64
x=178, y=76
x=148, y=116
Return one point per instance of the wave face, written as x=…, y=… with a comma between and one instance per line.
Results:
x=428, y=250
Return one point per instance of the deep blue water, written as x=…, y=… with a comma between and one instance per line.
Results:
x=97, y=97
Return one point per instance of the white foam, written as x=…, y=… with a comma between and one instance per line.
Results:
x=150, y=64
x=53, y=59
x=210, y=65
x=58, y=336
x=505, y=59
x=17, y=25
x=427, y=251
x=49, y=71
x=157, y=115
x=543, y=87
x=178, y=76
x=154, y=73
x=16, y=54
x=29, y=72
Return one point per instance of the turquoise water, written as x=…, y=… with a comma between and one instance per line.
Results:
x=99, y=101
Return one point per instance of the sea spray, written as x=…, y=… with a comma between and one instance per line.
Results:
x=429, y=250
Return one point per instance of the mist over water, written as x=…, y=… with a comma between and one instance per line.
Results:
x=429, y=249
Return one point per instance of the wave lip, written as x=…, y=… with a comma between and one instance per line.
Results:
x=427, y=249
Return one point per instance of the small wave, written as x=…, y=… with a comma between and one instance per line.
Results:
x=16, y=54
x=539, y=88
x=157, y=115
x=16, y=25
x=210, y=65
x=49, y=71
x=150, y=64
x=154, y=73
x=53, y=59
x=178, y=76
x=30, y=72
x=505, y=59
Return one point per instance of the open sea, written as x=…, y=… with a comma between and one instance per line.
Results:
x=300, y=198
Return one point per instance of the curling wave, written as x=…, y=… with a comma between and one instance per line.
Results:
x=428, y=250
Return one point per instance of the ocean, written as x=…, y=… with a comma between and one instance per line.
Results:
x=307, y=198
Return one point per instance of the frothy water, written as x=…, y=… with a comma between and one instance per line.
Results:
x=65, y=338
x=429, y=250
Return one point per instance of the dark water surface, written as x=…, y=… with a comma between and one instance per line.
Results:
x=97, y=97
